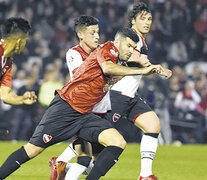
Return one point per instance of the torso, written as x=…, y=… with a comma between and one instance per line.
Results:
x=129, y=85
x=87, y=87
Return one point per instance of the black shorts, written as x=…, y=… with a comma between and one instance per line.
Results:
x=61, y=122
x=123, y=106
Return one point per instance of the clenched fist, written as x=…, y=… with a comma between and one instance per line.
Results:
x=29, y=97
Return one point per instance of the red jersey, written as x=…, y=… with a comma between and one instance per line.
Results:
x=88, y=85
x=5, y=69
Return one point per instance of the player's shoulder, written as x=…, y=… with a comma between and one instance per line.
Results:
x=73, y=54
x=73, y=51
x=107, y=44
x=109, y=48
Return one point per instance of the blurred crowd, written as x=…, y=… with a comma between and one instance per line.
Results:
x=178, y=40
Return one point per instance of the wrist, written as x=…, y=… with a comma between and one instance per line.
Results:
x=21, y=99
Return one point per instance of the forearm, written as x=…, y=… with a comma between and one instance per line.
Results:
x=12, y=98
x=9, y=97
x=119, y=70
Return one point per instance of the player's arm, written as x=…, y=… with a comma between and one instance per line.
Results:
x=9, y=97
x=144, y=62
x=108, y=67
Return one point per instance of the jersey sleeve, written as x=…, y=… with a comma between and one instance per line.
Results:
x=106, y=54
x=139, y=46
x=74, y=60
x=7, y=79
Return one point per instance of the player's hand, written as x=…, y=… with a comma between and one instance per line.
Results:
x=166, y=72
x=29, y=97
x=158, y=69
x=152, y=69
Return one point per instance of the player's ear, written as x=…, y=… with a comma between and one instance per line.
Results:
x=133, y=21
x=80, y=35
x=18, y=43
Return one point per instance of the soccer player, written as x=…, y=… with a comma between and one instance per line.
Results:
x=15, y=33
x=70, y=114
x=125, y=102
x=87, y=32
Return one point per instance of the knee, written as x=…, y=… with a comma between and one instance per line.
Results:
x=112, y=137
x=148, y=122
x=152, y=129
x=119, y=142
x=32, y=150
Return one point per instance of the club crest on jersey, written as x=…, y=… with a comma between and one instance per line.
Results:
x=47, y=138
x=116, y=117
x=113, y=52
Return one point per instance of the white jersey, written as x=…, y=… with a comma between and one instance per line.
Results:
x=75, y=57
x=129, y=85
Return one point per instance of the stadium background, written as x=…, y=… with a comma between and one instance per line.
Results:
x=178, y=39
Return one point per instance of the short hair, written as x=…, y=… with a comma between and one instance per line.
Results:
x=15, y=25
x=137, y=8
x=84, y=21
x=128, y=32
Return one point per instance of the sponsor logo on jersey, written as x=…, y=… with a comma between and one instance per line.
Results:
x=116, y=117
x=47, y=138
x=113, y=52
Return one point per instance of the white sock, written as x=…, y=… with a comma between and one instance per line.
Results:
x=75, y=172
x=148, y=149
x=67, y=155
x=88, y=170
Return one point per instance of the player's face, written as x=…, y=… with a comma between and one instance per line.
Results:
x=90, y=36
x=126, y=48
x=143, y=22
x=21, y=43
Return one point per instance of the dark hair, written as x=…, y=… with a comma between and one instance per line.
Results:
x=128, y=32
x=15, y=25
x=84, y=21
x=137, y=8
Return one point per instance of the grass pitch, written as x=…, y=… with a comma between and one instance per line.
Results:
x=186, y=162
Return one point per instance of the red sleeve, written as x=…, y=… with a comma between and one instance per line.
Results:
x=7, y=79
x=106, y=53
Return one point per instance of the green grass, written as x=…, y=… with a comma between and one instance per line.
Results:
x=171, y=163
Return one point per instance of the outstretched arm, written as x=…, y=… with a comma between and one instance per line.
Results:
x=9, y=97
x=145, y=62
x=109, y=67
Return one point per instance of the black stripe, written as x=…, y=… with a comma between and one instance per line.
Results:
x=155, y=135
x=73, y=150
x=148, y=151
x=147, y=158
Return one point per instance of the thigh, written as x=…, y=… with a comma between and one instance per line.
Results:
x=139, y=107
x=148, y=122
x=92, y=126
x=60, y=122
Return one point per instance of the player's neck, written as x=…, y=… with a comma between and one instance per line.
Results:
x=138, y=32
x=85, y=47
x=8, y=47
